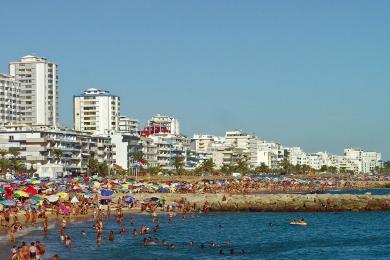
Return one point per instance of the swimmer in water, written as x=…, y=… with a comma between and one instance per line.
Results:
x=221, y=252
x=228, y=243
x=111, y=237
x=83, y=233
x=172, y=246
x=191, y=243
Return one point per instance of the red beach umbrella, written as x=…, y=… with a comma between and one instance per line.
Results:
x=30, y=190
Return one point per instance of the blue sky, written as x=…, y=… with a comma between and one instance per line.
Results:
x=307, y=73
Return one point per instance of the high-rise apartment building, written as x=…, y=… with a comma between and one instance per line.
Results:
x=38, y=90
x=9, y=99
x=96, y=111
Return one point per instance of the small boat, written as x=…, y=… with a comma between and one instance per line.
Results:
x=298, y=223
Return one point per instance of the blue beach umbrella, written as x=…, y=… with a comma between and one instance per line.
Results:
x=106, y=192
x=129, y=199
x=9, y=203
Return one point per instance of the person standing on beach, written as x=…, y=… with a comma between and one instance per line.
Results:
x=33, y=217
x=26, y=217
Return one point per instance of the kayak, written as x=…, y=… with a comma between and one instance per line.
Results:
x=298, y=223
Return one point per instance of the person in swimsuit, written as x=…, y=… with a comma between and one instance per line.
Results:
x=41, y=249
x=33, y=251
x=111, y=237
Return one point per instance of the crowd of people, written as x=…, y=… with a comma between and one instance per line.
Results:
x=32, y=202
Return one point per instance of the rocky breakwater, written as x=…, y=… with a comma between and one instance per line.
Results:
x=283, y=202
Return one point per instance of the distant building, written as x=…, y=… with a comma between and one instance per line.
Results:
x=96, y=112
x=246, y=142
x=37, y=146
x=128, y=125
x=160, y=124
x=366, y=162
x=38, y=79
x=9, y=99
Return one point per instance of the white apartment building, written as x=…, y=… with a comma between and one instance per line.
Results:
x=38, y=79
x=128, y=125
x=270, y=153
x=246, y=142
x=166, y=124
x=38, y=144
x=96, y=112
x=206, y=143
x=366, y=161
x=9, y=99
x=296, y=156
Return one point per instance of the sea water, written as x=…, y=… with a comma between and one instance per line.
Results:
x=347, y=235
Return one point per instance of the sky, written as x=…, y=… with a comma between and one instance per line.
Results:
x=313, y=74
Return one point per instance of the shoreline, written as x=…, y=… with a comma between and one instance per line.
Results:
x=228, y=202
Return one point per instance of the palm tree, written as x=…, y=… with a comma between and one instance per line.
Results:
x=3, y=153
x=58, y=154
x=4, y=164
x=207, y=166
x=179, y=163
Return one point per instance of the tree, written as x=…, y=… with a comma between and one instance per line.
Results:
x=138, y=156
x=104, y=169
x=179, y=164
x=263, y=168
x=206, y=166
x=4, y=164
x=3, y=153
x=286, y=166
x=58, y=154
x=242, y=165
x=154, y=170
x=93, y=166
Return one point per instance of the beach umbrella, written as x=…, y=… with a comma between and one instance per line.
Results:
x=30, y=190
x=129, y=199
x=63, y=195
x=2, y=190
x=1, y=197
x=53, y=198
x=36, y=182
x=106, y=192
x=36, y=198
x=22, y=194
x=154, y=199
x=8, y=203
x=88, y=196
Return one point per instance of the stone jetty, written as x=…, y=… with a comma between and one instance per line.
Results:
x=282, y=202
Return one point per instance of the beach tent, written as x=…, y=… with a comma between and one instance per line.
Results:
x=74, y=200
x=50, y=170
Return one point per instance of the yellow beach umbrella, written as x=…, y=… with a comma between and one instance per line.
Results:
x=36, y=182
x=22, y=194
x=63, y=195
